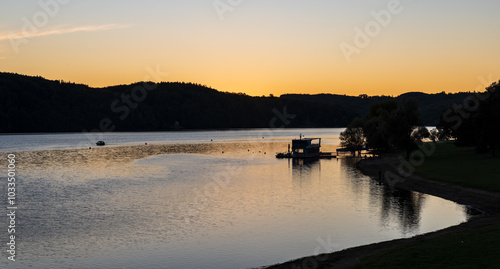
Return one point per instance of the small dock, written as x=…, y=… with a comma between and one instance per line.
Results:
x=304, y=148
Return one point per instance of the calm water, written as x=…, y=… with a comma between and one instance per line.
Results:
x=156, y=206
x=84, y=140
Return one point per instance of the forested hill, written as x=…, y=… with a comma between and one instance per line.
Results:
x=34, y=104
x=430, y=105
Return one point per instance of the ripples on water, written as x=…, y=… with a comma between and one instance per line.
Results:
x=193, y=206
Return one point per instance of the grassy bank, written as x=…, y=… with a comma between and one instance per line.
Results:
x=470, y=179
x=475, y=247
x=462, y=166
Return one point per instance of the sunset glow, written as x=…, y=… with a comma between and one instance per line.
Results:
x=382, y=47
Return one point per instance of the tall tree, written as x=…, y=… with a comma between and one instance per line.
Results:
x=376, y=127
x=402, y=123
x=353, y=138
x=478, y=122
x=391, y=125
x=487, y=121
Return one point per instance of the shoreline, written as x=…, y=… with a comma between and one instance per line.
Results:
x=488, y=203
x=485, y=201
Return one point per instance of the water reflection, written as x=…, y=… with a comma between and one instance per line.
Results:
x=403, y=206
x=397, y=206
x=126, y=207
x=298, y=164
x=304, y=171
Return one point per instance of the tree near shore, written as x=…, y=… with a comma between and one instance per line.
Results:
x=376, y=127
x=352, y=139
x=477, y=123
x=389, y=125
x=487, y=121
x=402, y=123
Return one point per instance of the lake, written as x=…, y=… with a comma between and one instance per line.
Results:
x=198, y=200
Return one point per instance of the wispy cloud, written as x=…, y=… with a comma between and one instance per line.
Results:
x=62, y=31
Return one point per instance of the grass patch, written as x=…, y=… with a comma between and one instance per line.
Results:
x=462, y=166
x=476, y=248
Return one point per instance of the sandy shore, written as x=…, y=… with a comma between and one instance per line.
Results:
x=486, y=204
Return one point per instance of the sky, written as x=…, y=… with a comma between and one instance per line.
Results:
x=258, y=47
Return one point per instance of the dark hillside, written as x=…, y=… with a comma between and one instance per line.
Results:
x=34, y=104
x=430, y=105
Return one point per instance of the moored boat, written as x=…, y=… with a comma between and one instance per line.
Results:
x=305, y=148
x=100, y=143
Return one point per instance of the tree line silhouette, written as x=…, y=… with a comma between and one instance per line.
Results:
x=34, y=104
x=395, y=124
x=475, y=122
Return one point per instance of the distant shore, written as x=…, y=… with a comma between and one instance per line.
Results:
x=485, y=204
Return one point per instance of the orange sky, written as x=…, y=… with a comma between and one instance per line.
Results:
x=257, y=47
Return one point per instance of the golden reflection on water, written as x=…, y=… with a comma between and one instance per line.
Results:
x=219, y=202
x=115, y=161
